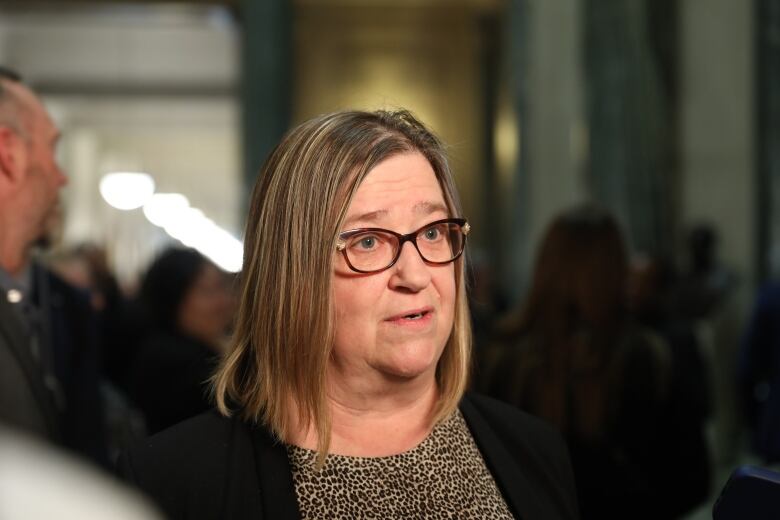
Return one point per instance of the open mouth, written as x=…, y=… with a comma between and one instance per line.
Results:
x=415, y=315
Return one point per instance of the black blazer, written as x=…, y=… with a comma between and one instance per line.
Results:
x=212, y=467
x=73, y=330
x=25, y=402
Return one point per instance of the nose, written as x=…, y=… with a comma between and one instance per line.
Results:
x=410, y=272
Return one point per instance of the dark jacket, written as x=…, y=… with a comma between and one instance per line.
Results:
x=69, y=413
x=25, y=402
x=72, y=326
x=212, y=467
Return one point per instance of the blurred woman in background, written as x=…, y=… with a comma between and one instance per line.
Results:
x=186, y=303
x=577, y=358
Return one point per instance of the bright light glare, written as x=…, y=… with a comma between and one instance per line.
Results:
x=190, y=226
x=126, y=190
x=165, y=207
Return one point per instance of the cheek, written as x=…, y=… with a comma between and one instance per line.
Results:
x=354, y=301
x=348, y=304
x=199, y=309
x=447, y=289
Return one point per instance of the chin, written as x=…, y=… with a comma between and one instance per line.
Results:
x=412, y=364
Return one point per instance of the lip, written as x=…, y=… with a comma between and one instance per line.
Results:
x=400, y=319
x=402, y=315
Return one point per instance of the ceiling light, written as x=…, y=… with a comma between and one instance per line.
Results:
x=126, y=190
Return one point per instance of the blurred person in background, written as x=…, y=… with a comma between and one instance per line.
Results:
x=343, y=393
x=187, y=308
x=706, y=282
x=49, y=358
x=575, y=357
x=652, y=291
x=85, y=266
x=706, y=296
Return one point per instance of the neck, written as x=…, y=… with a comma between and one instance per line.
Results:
x=14, y=254
x=387, y=419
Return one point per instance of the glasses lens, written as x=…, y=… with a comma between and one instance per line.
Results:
x=371, y=250
x=440, y=242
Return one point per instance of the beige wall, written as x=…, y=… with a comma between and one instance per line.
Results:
x=135, y=87
x=425, y=58
x=190, y=146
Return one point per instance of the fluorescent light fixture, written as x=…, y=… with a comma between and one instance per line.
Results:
x=162, y=208
x=126, y=190
x=191, y=227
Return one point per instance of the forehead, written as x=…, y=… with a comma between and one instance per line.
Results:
x=31, y=108
x=400, y=181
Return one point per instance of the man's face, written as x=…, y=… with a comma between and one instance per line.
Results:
x=43, y=177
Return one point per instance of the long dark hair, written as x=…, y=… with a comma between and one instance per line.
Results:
x=573, y=321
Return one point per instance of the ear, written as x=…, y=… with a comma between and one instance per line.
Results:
x=13, y=156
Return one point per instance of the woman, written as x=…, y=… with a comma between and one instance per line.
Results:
x=186, y=302
x=576, y=358
x=343, y=393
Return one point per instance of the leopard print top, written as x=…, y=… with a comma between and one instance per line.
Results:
x=443, y=477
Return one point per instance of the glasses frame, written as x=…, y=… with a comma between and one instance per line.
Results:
x=341, y=244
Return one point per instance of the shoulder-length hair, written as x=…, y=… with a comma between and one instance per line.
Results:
x=285, y=325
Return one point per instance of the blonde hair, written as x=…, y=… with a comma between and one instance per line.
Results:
x=284, y=332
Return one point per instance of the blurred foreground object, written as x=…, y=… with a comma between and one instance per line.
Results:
x=37, y=482
x=750, y=493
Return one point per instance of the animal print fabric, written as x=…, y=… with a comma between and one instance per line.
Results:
x=443, y=477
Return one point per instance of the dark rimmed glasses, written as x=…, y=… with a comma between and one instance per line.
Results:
x=371, y=250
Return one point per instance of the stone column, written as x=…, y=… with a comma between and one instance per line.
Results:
x=630, y=119
x=266, y=80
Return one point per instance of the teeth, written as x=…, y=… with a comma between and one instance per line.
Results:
x=414, y=316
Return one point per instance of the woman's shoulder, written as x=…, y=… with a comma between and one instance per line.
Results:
x=188, y=466
x=206, y=429
x=504, y=415
x=190, y=447
x=520, y=448
x=511, y=425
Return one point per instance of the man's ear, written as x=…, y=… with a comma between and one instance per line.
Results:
x=13, y=156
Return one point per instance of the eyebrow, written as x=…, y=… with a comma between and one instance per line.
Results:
x=421, y=208
x=371, y=217
x=426, y=208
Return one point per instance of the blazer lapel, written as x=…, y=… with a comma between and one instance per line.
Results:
x=515, y=487
x=13, y=334
x=275, y=476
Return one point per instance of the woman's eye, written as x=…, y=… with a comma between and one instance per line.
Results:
x=432, y=234
x=365, y=243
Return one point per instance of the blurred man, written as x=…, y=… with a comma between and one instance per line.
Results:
x=48, y=355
